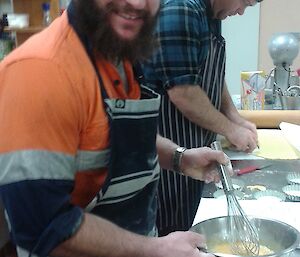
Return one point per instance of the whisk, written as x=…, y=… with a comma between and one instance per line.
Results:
x=243, y=235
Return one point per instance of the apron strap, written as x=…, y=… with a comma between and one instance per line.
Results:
x=138, y=73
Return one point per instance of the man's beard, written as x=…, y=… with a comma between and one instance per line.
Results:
x=92, y=21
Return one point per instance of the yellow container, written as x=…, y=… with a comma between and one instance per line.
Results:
x=252, y=90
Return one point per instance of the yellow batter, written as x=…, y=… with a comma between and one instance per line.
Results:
x=225, y=248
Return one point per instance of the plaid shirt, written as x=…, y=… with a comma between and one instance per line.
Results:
x=183, y=34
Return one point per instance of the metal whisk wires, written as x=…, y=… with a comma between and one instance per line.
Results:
x=243, y=235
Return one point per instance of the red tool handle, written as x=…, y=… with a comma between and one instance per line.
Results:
x=247, y=169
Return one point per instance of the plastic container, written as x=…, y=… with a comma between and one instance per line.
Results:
x=18, y=20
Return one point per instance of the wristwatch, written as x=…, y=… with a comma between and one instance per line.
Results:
x=177, y=156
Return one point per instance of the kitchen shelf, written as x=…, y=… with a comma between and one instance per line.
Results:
x=34, y=9
x=31, y=29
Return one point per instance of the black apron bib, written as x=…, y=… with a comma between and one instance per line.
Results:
x=128, y=197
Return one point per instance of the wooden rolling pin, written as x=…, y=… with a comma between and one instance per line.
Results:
x=271, y=118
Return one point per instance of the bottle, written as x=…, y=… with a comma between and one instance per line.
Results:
x=46, y=14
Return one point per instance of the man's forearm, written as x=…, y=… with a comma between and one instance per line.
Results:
x=97, y=237
x=165, y=150
x=194, y=104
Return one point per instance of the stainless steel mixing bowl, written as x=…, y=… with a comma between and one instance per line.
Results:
x=279, y=237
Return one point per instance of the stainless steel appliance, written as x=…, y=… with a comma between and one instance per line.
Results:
x=283, y=49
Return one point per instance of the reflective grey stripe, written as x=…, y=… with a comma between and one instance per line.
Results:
x=30, y=163
x=125, y=187
x=135, y=106
x=135, y=116
x=86, y=160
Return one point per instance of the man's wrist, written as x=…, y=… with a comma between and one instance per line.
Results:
x=177, y=158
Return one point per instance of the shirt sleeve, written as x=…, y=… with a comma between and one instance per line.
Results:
x=183, y=38
x=39, y=127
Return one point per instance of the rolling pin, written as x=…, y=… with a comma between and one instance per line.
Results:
x=271, y=118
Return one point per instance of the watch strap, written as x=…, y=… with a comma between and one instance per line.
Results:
x=177, y=157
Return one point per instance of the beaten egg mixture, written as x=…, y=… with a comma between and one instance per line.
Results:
x=225, y=248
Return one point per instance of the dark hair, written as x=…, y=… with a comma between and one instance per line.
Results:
x=91, y=20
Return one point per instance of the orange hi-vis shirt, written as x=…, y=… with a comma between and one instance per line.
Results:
x=50, y=103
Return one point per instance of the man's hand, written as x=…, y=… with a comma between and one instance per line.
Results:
x=243, y=139
x=247, y=124
x=182, y=244
x=242, y=134
x=201, y=163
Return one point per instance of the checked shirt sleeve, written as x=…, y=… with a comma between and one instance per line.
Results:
x=183, y=36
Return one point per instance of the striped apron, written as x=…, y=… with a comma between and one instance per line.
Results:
x=129, y=195
x=179, y=196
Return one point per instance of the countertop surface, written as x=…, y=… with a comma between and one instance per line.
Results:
x=273, y=177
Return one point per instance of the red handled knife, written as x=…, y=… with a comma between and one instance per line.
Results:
x=251, y=168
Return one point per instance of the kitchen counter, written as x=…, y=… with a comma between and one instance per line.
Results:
x=272, y=177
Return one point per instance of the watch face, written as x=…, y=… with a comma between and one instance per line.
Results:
x=180, y=149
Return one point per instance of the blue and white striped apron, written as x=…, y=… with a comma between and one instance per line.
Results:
x=129, y=195
x=179, y=196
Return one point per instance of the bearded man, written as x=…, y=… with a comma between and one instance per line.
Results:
x=79, y=154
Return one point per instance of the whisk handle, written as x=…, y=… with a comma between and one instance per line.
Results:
x=225, y=177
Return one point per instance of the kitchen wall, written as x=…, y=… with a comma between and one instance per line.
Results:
x=248, y=36
x=242, y=35
x=5, y=7
x=277, y=16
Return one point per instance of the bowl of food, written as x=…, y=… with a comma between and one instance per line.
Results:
x=275, y=237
